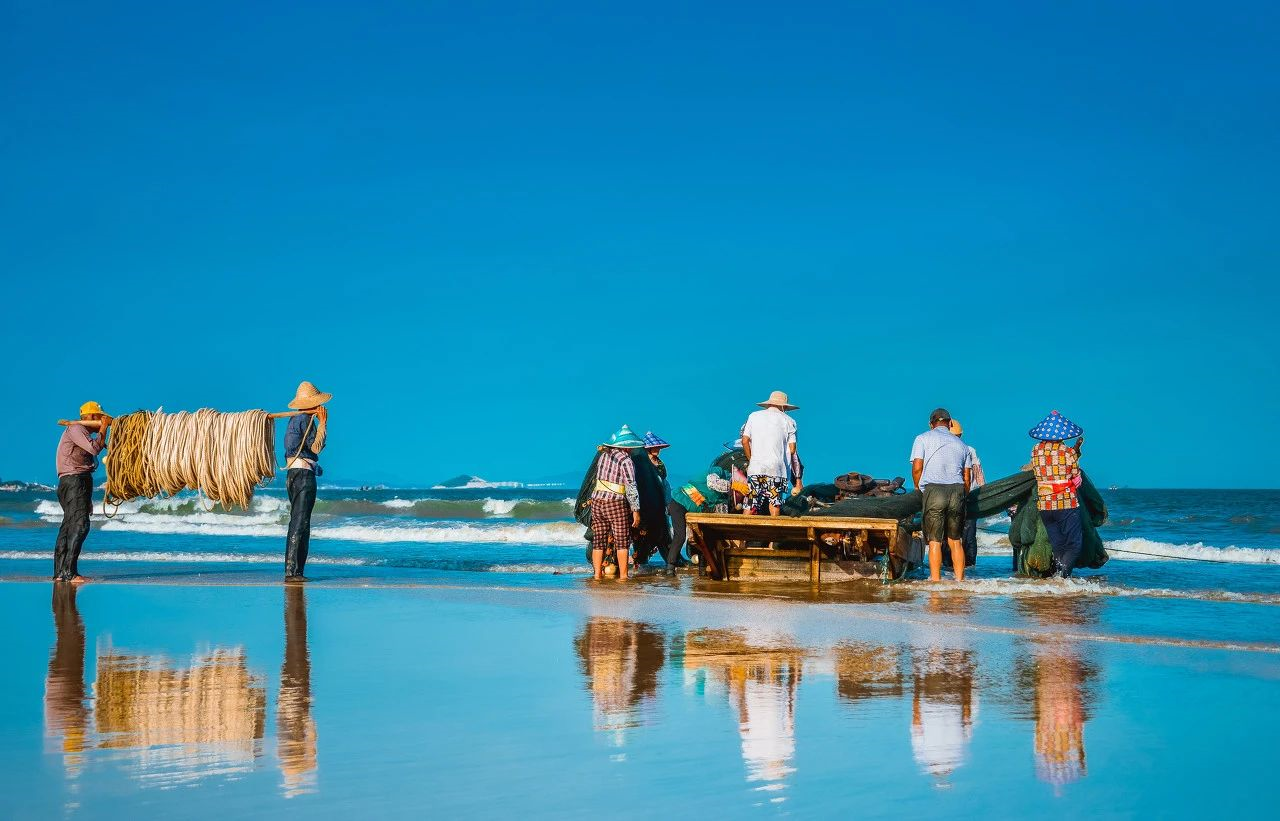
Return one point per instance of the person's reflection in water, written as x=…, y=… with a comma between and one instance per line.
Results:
x=66, y=716
x=762, y=683
x=621, y=661
x=295, y=728
x=1060, y=680
x=944, y=703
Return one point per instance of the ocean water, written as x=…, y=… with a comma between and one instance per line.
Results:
x=449, y=653
x=1174, y=542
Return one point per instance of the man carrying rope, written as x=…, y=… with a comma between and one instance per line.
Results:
x=303, y=441
x=77, y=459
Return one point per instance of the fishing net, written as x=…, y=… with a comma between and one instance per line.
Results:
x=1032, y=551
x=655, y=530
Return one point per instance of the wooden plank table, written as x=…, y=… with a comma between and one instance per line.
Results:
x=723, y=541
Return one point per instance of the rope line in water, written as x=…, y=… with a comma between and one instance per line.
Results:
x=1110, y=549
x=223, y=456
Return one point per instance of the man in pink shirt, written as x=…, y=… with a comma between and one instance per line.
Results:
x=77, y=458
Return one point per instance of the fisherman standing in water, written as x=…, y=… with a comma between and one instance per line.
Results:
x=615, y=495
x=77, y=459
x=1057, y=471
x=303, y=441
x=769, y=442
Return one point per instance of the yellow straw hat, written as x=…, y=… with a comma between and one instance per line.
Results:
x=92, y=407
x=308, y=396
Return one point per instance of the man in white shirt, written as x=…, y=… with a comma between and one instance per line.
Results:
x=940, y=466
x=769, y=442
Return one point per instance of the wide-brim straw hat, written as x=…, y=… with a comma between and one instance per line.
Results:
x=624, y=438
x=779, y=400
x=653, y=440
x=1054, y=428
x=308, y=397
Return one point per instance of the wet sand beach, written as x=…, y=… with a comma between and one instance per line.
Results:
x=359, y=694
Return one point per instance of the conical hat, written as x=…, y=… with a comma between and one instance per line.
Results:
x=624, y=438
x=308, y=396
x=653, y=440
x=1054, y=428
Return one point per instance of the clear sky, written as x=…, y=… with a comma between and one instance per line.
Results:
x=496, y=231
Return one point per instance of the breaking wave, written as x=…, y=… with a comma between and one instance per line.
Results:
x=1147, y=550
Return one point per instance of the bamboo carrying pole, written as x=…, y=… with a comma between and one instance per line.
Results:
x=97, y=423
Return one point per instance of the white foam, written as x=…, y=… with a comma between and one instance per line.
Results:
x=399, y=504
x=556, y=534
x=1147, y=550
x=500, y=507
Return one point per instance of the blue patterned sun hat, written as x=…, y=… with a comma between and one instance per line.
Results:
x=1055, y=428
x=624, y=438
x=653, y=440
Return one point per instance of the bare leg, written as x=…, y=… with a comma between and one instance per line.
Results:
x=957, y=557
x=935, y=561
x=775, y=510
x=597, y=562
x=622, y=565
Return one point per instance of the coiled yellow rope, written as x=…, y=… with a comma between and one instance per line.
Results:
x=223, y=456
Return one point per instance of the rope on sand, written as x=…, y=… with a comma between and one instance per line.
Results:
x=223, y=456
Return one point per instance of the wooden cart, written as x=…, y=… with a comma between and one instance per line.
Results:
x=819, y=548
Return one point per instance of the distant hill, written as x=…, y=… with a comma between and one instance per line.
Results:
x=467, y=481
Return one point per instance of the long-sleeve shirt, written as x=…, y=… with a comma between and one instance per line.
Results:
x=1057, y=469
x=296, y=453
x=615, y=469
x=77, y=453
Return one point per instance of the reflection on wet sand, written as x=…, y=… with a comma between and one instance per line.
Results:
x=620, y=660
x=66, y=717
x=865, y=671
x=170, y=723
x=944, y=705
x=944, y=700
x=1060, y=680
x=761, y=683
x=180, y=723
x=295, y=728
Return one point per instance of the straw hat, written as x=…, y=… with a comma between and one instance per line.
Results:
x=624, y=438
x=779, y=400
x=1054, y=428
x=92, y=407
x=308, y=397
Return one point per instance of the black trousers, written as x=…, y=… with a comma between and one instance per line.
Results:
x=75, y=494
x=677, y=512
x=302, y=498
x=1066, y=535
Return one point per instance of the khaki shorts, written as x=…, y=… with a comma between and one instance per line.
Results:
x=943, y=512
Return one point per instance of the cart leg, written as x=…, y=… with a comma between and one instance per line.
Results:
x=815, y=563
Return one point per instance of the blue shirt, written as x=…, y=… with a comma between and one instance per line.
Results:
x=293, y=439
x=945, y=457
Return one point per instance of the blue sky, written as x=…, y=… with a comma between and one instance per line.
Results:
x=497, y=231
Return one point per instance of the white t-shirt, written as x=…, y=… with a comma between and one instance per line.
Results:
x=772, y=433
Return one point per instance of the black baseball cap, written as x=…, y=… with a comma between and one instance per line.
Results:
x=939, y=415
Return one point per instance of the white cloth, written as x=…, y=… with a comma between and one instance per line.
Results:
x=772, y=433
x=945, y=457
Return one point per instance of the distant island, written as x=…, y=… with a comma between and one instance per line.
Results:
x=14, y=486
